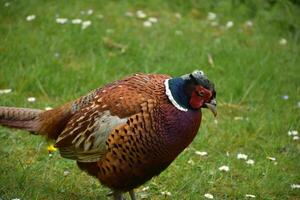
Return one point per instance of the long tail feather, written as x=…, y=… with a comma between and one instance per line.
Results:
x=20, y=118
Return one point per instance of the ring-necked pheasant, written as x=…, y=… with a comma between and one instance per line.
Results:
x=125, y=132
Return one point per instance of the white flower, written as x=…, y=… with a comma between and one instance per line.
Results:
x=296, y=137
x=30, y=17
x=66, y=172
x=285, y=97
x=224, y=168
x=271, y=158
x=178, y=32
x=76, y=21
x=6, y=4
x=295, y=186
x=61, y=20
x=201, y=153
x=140, y=14
x=241, y=156
x=191, y=162
x=31, y=99
x=214, y=23
x=249, y=23
x=15, y=199
x=237, y=118
x=229, y=24
x=298, y=104
x=100, y=16
x=209, y=196
x=152, y=19
x=211, y=16
x=250, y=196
x=90, y=11
x=145, y=188
x=166, y=193
x=86, y=24
x=129, y=14
x=292, y=132
x=110, y=31
x=147, y=24
x=178, y=15
x=5, y=91
x=250, y=162
x=48, y=108
x=282, y=41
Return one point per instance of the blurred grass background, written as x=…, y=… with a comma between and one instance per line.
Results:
x=255, y=65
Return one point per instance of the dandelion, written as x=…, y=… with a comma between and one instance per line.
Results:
x=140, y=14
x=30, y=17
x=271, y=158
x=295, y=186
x=147, y=24
x=76, y=21
x=211, y=16
x=208, y=196
x=282, y=41
x=86, y=24
x=90, y=12
x=61, y=20
x=51, y=148
x=250, y=196
x=250, y=162
x=48, y=108
x=242, y=156
x=201, y=153
x=5, y=91
x=229, y=24
x=31, y=99
x=285, y=97
x=224, y=168
x=152, y=19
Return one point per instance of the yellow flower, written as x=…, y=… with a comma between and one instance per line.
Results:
x=51, y=148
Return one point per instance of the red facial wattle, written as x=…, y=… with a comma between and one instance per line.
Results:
x=196, y=101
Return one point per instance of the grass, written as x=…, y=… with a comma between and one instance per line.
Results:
x=57, y=63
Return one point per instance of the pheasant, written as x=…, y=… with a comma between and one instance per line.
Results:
x=125, y=132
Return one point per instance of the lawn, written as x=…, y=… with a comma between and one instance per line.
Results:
x=250, y=49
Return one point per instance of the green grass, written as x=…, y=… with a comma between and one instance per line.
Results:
x=252, y=71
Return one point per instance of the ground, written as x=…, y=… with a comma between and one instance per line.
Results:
x=250, y=49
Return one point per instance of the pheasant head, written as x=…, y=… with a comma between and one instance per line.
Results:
x=192, y=92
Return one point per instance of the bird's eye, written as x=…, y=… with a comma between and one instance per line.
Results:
x=201, y=94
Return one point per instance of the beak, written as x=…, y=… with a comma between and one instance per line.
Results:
x=212, y=106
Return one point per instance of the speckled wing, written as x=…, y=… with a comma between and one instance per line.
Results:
x=98, y=114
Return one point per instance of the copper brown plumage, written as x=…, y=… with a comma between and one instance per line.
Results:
x=126, y=132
